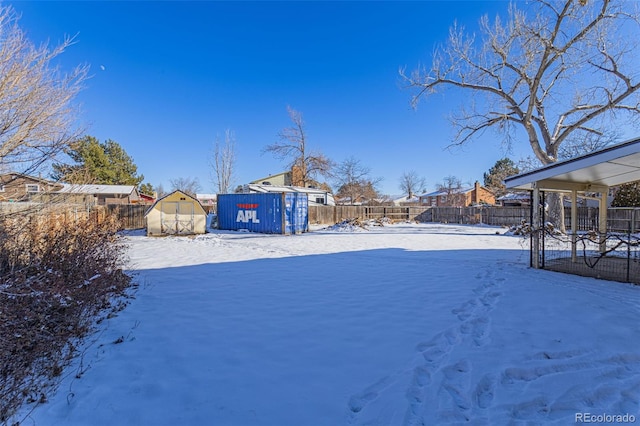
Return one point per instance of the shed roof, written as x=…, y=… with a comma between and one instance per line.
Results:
x=601, y=169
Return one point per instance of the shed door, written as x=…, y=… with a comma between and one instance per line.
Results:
x=185, y=218
x=177, y=217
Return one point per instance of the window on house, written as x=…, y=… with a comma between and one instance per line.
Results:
x=319, y=200
x=33, y=187
x=443, y=198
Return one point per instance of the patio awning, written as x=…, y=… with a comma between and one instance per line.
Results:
x=592, y=172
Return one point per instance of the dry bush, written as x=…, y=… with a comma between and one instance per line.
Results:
x=56, y=276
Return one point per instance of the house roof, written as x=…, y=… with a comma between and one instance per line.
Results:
x=438, y=193
x=514, y=196
x=611, y=166
x=34, y=178
x=328, y=196
x=404, y=199
x=259, y=181
x=97, y=189
x=283, y=188
x=147, y=196
x=206, y=196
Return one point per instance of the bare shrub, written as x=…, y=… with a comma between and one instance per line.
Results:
x=56, y=276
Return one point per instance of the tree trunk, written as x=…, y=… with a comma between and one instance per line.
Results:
x=555, y=215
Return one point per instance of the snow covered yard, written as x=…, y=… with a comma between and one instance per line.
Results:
x=398, y=325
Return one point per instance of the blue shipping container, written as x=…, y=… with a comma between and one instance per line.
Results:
x=267, y=213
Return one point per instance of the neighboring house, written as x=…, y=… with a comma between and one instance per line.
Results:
x=316, y=196
x=524, y=199
x=404, y=200
x=289, y=178
x=147, y=199
x=347, y=201
x=464, y=197
x=208, y=201
x=100, y=194
x=280, y=179
x=514, y=199
x=18, y=187
x=176, y=214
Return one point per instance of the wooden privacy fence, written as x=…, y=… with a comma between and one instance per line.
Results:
x=333, y=214
x=620, y=219
x=131, y=216
x=494, y=215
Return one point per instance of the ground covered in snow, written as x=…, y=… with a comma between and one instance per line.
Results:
x=400, y=324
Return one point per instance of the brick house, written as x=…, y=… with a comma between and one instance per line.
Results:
x=461, y=198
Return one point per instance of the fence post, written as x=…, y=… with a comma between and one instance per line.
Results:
x=535, y=227
x=629, y=249
x=574, y=225
x=602, y=225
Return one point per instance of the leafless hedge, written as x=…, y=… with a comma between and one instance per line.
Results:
x=56, y=276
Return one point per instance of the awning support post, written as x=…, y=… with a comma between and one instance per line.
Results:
x=574, y=225
x=602, y=220
x=535, y=228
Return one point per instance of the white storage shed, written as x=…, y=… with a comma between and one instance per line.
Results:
x=176, y=214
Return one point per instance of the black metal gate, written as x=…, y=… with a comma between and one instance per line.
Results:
x=612, y=255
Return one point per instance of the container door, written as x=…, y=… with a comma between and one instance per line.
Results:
x=185, y=218
x=169, y=217
x=289, y=208
x=301, y=213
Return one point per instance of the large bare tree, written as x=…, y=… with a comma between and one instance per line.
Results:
x=451, y=189
x=188, y=185
x=552, y=72
x=411, y=182
x=354, y=181
x=37, y=113
x=223, y=162
x=292, y=147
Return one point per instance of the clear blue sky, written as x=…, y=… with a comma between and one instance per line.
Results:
x=168, y=76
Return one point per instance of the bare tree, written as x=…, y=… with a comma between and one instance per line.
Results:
x=223, y=162
x=586, y=144
x=411, y=182
x=559, y=69
x=36, y=100
x=354, y=181
x=451, y=187
x=160, y=191
x=292, y=147
x=188, y=185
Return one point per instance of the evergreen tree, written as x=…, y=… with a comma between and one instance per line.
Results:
x=101, y=163
x=494, y=179
x=147, y=188
x=627, y=195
